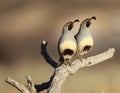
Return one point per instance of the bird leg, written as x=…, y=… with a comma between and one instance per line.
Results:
x=80, y=57
x=69, y=63
x=65, y=62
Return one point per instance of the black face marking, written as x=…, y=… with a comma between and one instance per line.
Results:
x=87, y=48
x=68, y=52
x=70, y=26
x=88, y=23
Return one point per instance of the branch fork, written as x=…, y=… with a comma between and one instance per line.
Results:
x=29, y=88
x=61, y=73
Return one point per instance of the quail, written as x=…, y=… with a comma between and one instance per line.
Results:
x=67, y=44
x=84, y=38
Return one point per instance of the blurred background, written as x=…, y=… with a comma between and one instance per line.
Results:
x=25, y=23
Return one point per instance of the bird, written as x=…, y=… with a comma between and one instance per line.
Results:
x=84, y=38
x=67, y=44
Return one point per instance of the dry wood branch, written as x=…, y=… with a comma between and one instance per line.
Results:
x=30, y=84
x=28, y=89
x=61, y=73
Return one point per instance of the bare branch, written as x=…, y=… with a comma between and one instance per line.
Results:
x=46, y=56
x=60, y=74
x=92, y=60
x=17, y=85
x=64, y=71
x=30, y=84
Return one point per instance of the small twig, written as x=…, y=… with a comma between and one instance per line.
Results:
x=17, y=85
x=46, y=56
x=30, y=84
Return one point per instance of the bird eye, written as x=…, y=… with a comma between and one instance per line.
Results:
x=70, y=26
x=88, y=23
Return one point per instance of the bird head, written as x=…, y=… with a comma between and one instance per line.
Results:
x=69, y=25
x=87, y=22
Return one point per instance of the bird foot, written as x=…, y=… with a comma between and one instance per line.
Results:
x=65, y=63
x=80, y=59
x=69, y=63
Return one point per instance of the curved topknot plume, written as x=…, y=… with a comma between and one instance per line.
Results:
x=93, y=18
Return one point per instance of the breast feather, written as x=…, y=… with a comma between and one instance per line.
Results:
x=68, y=45
x=87, y=41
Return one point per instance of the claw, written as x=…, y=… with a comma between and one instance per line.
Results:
x=80, y=58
